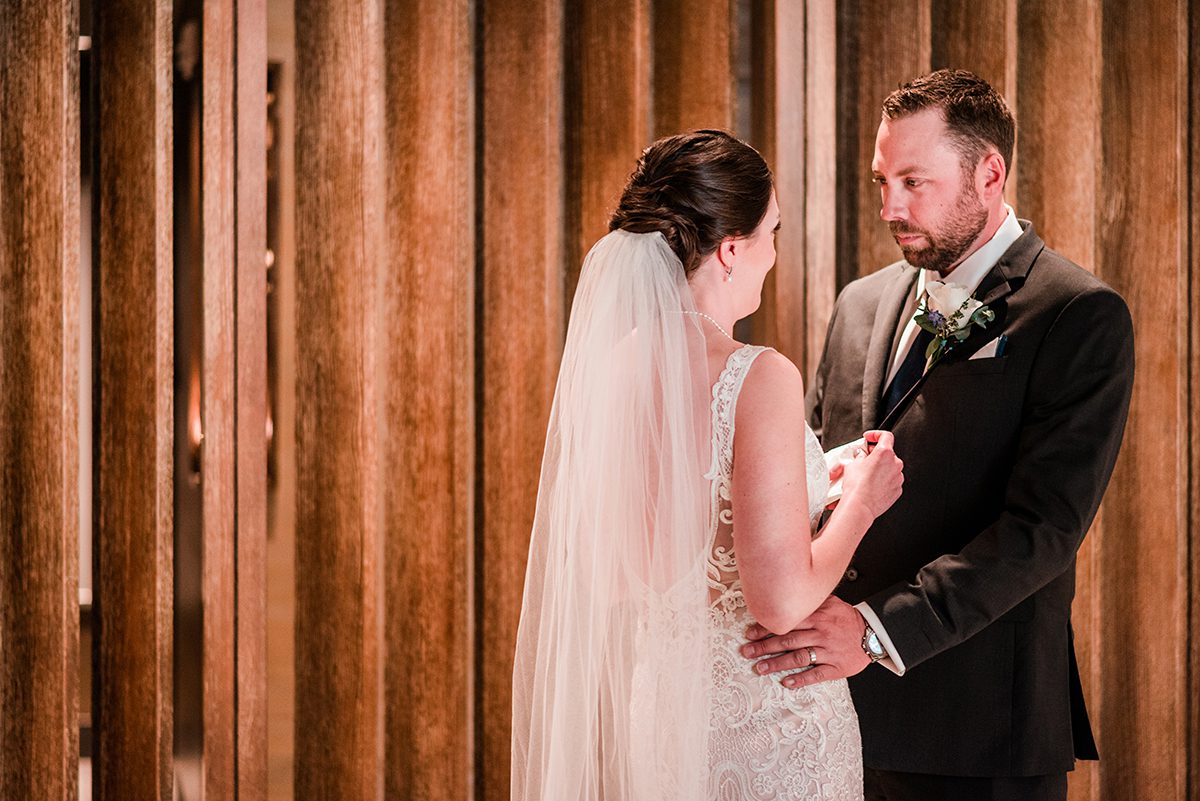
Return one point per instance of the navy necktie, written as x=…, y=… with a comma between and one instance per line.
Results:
x=910, y=372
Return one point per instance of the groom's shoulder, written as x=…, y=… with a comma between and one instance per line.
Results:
x=1059, y=279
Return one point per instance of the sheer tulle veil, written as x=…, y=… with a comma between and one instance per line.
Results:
x=610, y=682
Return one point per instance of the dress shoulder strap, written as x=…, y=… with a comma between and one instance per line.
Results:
x=724, y=407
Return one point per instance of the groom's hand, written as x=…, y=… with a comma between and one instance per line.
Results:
x=834, y=632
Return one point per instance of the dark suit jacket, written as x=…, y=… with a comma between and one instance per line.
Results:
x=972, y=571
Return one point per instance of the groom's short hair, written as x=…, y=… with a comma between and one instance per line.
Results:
x=976, y=115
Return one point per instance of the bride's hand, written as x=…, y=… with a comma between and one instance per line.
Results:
x=873, y=477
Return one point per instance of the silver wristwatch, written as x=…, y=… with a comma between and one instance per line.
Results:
x=871, y=645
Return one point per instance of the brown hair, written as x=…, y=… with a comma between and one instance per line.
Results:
x=976, y=115
x=696, y=189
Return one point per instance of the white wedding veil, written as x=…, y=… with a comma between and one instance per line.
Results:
x=610, y=683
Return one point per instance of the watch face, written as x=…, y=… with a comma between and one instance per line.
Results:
x=874, y=646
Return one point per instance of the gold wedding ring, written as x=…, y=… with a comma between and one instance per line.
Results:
x=812, y=655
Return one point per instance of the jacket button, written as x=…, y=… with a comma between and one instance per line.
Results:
x=851, y=574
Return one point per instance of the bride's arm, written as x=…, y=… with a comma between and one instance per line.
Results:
x=785, y=573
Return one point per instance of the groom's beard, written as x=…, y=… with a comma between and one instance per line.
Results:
x=947, y=245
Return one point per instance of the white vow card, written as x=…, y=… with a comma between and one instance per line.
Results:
x=832, y=457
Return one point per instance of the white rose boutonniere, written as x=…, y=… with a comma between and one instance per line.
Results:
x=948, y=312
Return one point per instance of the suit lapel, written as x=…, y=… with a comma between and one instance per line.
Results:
x=887, y=317
x=1001, y=281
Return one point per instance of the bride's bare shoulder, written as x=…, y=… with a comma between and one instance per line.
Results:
x=773, y=384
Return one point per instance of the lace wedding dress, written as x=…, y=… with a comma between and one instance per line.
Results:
x=766, y=741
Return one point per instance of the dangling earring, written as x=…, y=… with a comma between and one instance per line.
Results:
x=729, y=275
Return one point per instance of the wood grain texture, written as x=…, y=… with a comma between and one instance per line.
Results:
x=608, y=115
x=884, y=44
x=521, y=335
x=1141, y=227
x=339, y=397
x=1056, y=187
x=693, y=65
x=429, y=403
x=250, y=43
x=135, y=450
x=39, y=364
x=1192, y=742
x=218, y=465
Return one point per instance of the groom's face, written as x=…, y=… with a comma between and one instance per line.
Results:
x=930, y=200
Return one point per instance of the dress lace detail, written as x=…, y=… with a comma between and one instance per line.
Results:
x=766, y=741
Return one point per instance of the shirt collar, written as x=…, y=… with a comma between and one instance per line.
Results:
x=971, y=272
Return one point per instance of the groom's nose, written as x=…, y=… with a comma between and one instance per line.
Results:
x=893, y=208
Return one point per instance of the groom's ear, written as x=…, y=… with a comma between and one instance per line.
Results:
x=991, y=175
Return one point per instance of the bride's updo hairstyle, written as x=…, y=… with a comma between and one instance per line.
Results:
x=696, y=189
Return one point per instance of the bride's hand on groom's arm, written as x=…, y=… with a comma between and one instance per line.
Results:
x=834, y=633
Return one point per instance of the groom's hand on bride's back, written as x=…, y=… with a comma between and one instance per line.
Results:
x=834, y=632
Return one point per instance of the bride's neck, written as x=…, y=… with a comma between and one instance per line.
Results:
x=716, y=302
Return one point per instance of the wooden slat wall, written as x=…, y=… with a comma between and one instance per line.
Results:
x=39, y=364
x=406, y=408
x=340, y=227
x=1142, y=252
x=134, y=467
x=521, y=333
x=428, y=400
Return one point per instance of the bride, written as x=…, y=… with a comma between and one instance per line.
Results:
x=658, y=538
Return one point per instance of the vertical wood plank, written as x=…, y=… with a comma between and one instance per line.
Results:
x=608, y=115
x=250, y=43
x=1141, y=226
x=1058, y=129
x=218, y=397
x=886, y=42
x=39, y=407
x=134, y=521
x=521, y=333
x=1192, y=742
x=340, y=257
x=693, y=65
x=429, y=405
x=819, y=242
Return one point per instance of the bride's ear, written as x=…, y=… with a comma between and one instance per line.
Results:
x=727, y=252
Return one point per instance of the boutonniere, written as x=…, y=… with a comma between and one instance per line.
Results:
x=948, y=312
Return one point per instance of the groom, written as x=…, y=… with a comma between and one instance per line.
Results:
x=962, y=590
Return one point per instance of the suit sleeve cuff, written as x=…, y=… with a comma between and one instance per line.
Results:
x=892, y=661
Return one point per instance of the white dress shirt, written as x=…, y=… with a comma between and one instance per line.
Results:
x=970, y=273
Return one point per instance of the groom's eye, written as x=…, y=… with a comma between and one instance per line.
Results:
x=913, y=181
